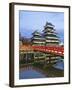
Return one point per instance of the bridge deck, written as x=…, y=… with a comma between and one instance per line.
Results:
x=58, y=50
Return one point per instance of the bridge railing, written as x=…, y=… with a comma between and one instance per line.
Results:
x=56, y=49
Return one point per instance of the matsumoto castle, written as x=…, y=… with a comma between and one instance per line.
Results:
x=48, y=37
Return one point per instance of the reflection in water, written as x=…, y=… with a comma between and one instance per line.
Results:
x=59, y=65
x=31, y=73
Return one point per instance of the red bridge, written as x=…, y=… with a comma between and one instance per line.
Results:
x=57, y=50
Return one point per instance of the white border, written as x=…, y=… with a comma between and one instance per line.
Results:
x=16, y=45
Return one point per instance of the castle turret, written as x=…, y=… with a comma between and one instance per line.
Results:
x=37, y=39
x=50, y=34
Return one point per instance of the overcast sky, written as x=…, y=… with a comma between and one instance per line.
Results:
x=31, y=21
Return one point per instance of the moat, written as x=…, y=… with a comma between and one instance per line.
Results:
x=40, y=70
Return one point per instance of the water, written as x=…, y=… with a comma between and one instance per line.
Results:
x=59, y=65
x=31, y=73
x=55, y=71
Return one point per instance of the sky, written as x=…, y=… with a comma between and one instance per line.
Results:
x=29, y=21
